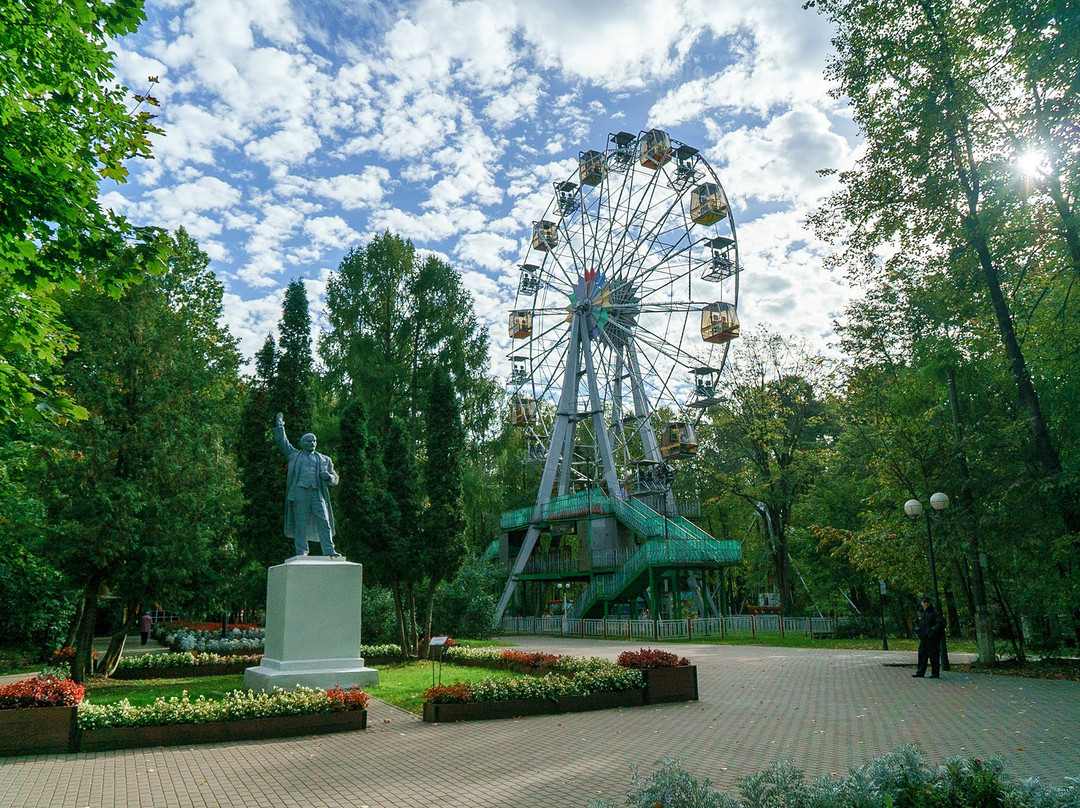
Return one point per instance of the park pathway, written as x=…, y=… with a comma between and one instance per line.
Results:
x=826, y=710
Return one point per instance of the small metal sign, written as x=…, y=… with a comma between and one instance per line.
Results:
x=438, y=640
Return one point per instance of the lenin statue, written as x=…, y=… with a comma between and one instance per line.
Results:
x=308, y=515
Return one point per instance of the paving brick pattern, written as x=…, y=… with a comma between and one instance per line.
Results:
x=827, y=710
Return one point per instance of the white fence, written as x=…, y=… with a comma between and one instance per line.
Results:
x=740, y=625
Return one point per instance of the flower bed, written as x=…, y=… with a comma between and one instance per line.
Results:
x=98, y=740
x=37, y=715
x=667, y=677
x=185, y=664
x=241, y=715
x=236, y=641
x=567, y=686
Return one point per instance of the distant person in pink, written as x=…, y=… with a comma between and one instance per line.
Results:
x=145, y=624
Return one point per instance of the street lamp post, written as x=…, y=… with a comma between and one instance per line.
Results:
x=563, y=587
x=914, y=509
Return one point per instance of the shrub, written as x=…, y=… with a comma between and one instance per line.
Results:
x=381, y=650
x=529, y=659
x=850, y=628
x=35, y=599
x=651, y=658
x=465, y=606
x=380, y=620
x=457, y=693
x=670, y=787
x=900, y=779
x=181, y=659
x=607, y=679
x=41, y=691
x=487, y=656
x=64, y=655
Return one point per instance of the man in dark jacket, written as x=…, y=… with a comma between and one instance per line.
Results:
x=929, y=628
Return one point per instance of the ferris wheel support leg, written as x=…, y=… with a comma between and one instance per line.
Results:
x=641, y=406
x=611, y=476
x=563, y=430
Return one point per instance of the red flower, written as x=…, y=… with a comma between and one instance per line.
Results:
x=352, y=699
x=532, y=659
x=457, y=693
x=41, y=691
x=651, y=658
x=66, y=654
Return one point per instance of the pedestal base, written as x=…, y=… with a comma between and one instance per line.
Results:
x=265, y=677
x=312, y=627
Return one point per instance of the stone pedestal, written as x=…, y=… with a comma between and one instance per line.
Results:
x=312, y=627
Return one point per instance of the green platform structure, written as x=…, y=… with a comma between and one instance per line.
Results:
x=619, y=556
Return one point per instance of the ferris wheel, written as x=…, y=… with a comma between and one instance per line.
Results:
x=626, y=305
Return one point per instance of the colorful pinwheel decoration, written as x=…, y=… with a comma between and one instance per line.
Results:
x=591, y=288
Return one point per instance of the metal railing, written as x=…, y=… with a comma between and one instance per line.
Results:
x=516, y=518
x=747, y=625
x=609, y=559
x=655, y=553
x=593, y=501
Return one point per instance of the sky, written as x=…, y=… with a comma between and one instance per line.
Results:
x=297, y=130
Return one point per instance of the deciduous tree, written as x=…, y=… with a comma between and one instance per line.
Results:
x=64, y=125
x=144, y=491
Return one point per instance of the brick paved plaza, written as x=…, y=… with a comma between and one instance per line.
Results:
x=826, y=710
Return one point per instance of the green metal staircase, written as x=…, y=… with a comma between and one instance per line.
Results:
x=666, y=543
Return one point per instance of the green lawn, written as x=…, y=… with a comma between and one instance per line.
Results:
x=401, y=685
x=144, y=691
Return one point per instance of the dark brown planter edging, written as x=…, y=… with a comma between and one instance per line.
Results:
x=98, y=740
x=601, y=701
x=670, y=684
x=183, y=671
x=37, y=730
x=484, y=710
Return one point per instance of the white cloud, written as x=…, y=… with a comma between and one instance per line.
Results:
x=354, y=191
x=296, y=129
x=327, y=231
x=780, y=161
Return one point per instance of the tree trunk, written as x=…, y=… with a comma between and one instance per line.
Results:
x=411, y=596
x=957, y=128
x=82, y=664
x=963, y=578
x=73, y=628
x=429, y=610
x=1016, y=631
x=107, y=664
x=399, y=612
x=950, y=608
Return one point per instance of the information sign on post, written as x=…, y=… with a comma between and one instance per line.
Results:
x=440, y=643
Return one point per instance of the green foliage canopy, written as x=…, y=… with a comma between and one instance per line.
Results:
x=64, y=125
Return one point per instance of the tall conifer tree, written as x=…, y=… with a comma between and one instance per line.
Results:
x=294, y=384
x=443, y=530
x=261, y=534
